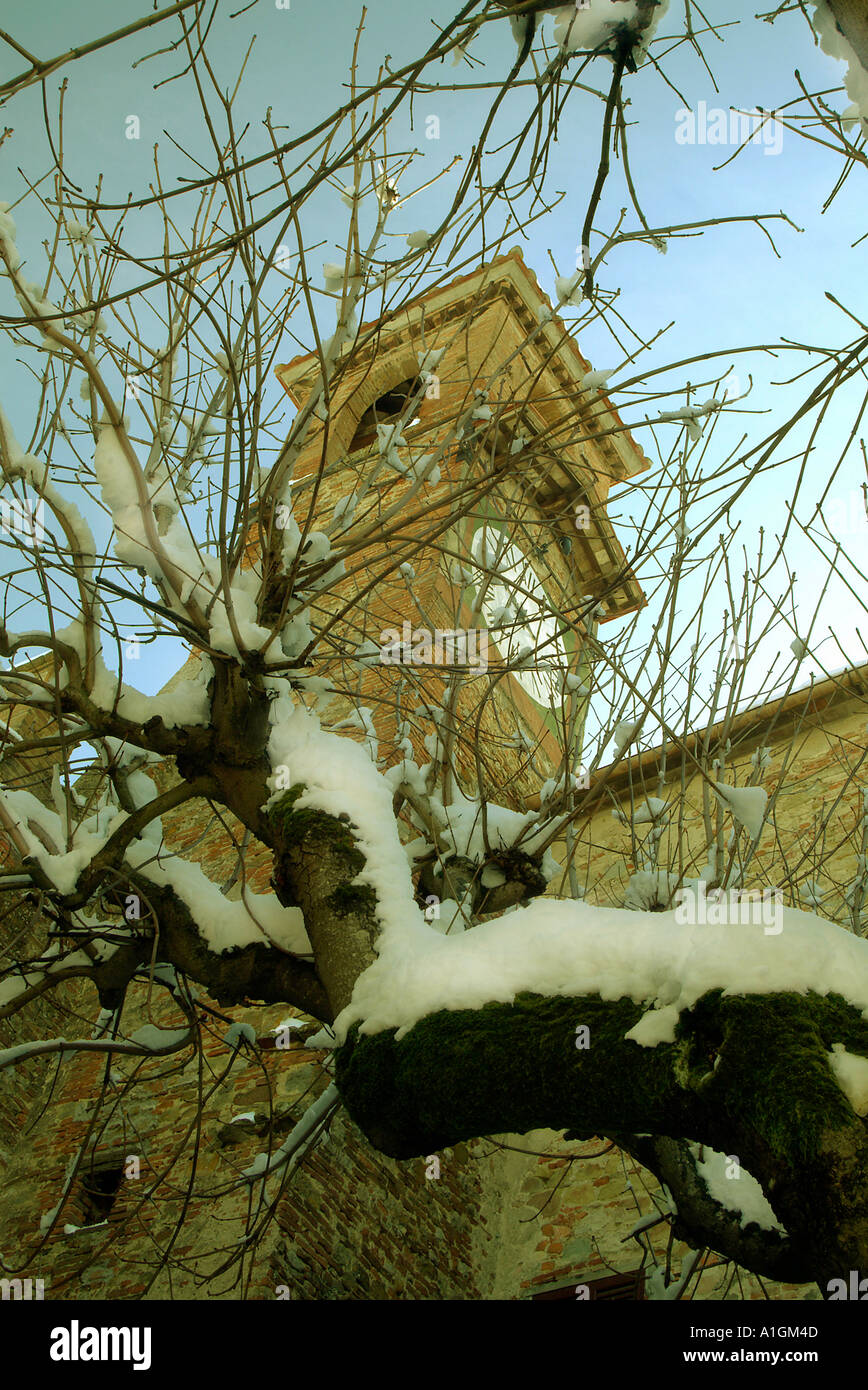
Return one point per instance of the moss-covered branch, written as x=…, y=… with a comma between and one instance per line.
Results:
x=702, y=1221
x=747, y=1075
x=256, y=973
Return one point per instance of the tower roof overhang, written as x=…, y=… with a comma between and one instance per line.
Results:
x=555, y=476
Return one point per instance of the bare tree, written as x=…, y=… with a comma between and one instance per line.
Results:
x=177, y=505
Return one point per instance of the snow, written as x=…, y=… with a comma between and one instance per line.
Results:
x=367, y=653
x=555, y=787
x=650, y=888
x=186, y=703
x=747, y=804
x=851, y=1073
x=90, y=836
x=62, y=868
x=345, y=509
x=321, y=689
x=568, y=289
x=833, y=42
x=339, y=778
x=127, y=756
x=389, y=440
x=78, y=232
x=317, y=548
x=299, y=1139
x=575, y=683
x=10, y=1056
x=16, y=984
x=33, y=471
x=690, y=416
x=625, y=730
x=591, y=25
x=461, y=825
x=160, y=1039
x=646, y=813
x=237, y=1033
x=176, y=563
x=296, y=634
x=737, y=1191
x=33, y=305
x=558, y=947
x=116, y=476
x=243, y=595
x=289, y=1022
x=8, y=234
x=430, y=360
x=685, y=417
x=86, y=318
x=811, y=893
x=656, y=1287
x=592, y=380
x=449, y=917
x=223, y=924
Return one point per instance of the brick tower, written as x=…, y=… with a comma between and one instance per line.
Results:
x=526, y=452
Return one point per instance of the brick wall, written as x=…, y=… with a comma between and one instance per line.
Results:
x=566, y=1217
x=350, y=1223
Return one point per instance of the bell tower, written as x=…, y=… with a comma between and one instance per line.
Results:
x=475, y=460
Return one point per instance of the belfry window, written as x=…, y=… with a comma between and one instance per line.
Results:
x=385, y=410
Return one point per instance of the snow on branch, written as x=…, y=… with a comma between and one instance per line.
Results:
x=224, y=925
x=148, y=1041
x=338, y=777
x=557, y=947
x=835, y=43
x=299, y=1139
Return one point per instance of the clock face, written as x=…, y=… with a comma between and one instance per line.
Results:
x=519, y=617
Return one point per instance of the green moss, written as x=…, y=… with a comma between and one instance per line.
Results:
x=459, y=1074
x=773, y=1064
x=307, y=825
x=352, y=898
x=754, y=1065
